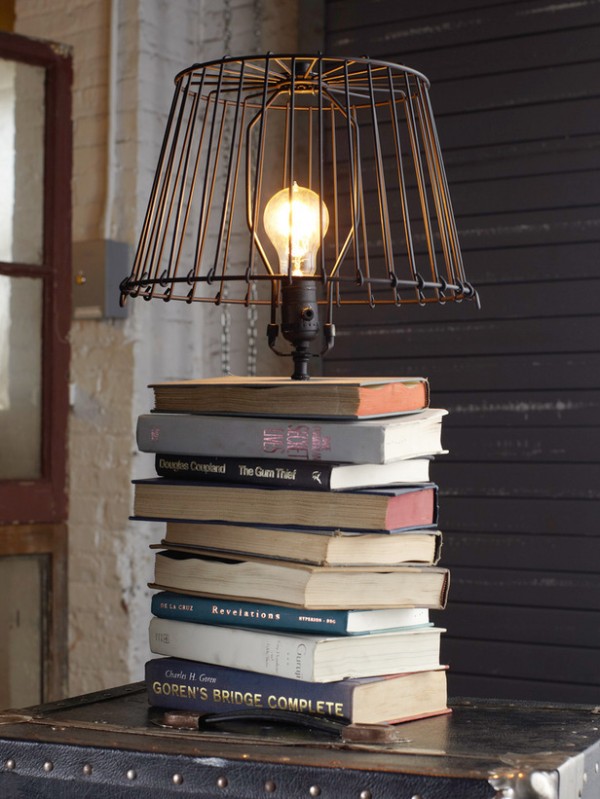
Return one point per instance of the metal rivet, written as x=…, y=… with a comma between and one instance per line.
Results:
x=365, y=795
x=177, y=779
x=10, y=765
x=48, y=765
x=131, y=774
x=314, y=790
x=87, y=769
x=222, y=782
x=270, y=786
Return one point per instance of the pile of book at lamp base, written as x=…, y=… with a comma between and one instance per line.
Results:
x=298, y=564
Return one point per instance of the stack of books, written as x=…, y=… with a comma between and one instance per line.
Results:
x=298, y=564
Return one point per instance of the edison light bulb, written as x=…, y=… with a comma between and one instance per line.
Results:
x=303, y=219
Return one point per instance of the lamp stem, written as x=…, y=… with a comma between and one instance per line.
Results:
x=301, y=356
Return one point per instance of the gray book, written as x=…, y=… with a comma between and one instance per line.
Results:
x=365, y=441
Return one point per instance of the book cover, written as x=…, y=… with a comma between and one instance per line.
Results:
x=312, y=475
x=365, y=441
x=308, y=544
x=390, y=508
x=301, y=585
x=350, y=397
x=299, y=657
x=205, y=610
x=206, y=688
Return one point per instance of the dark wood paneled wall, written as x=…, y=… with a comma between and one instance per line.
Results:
x=516, y=93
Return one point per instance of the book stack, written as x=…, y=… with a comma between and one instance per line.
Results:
x=298, y=564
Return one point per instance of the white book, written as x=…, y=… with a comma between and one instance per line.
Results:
x=301, y=657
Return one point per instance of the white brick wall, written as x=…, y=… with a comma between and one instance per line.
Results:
x=112, y=362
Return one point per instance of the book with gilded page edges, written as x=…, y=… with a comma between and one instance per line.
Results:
x=350, y=397
x=390, y=508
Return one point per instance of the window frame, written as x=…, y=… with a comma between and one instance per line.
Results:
x=45, y=499
x=33, y=512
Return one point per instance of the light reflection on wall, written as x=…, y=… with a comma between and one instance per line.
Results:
x=7, y=189
x=4, y=341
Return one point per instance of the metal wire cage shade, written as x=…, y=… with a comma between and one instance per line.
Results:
x=359, y=134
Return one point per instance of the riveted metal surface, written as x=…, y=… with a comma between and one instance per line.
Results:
x=109, y=743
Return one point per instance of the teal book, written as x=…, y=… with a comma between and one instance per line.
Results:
x=204, y=610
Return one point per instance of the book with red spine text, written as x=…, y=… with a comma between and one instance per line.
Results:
x=416, y=435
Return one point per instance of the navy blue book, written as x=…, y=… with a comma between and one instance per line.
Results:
x=203, y=688
x=391, y=508
x=208, y=610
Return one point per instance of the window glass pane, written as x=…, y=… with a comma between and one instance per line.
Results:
x=21, y=578
x=21, y=162
x=20, y=377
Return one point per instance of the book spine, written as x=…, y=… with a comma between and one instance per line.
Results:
x=242, y=437
x=169, y=605
x=205, y=688
x=246, y=471
x=278, y=654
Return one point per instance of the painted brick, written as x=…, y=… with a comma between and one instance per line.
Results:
x=112, y=363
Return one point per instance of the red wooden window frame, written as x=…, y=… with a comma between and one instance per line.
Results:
x=45, y=499
x=33, y=512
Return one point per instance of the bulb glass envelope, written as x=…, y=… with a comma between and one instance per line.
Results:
x=357, y=132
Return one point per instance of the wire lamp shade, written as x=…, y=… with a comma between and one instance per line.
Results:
x=299, y=182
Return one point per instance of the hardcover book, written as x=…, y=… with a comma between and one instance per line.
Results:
x=308, y=545
x=206, y=688
x=391, y=508
x=204, y=610
x=350, y=397
x=394, y=438
x=312, y=475
x=301, y=585
x=311, y=658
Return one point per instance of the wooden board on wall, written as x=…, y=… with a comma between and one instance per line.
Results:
x=514, y=91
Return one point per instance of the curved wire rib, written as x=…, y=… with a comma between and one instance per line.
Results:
x=359, y=132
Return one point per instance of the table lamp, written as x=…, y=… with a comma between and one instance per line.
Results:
x=303, y=183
